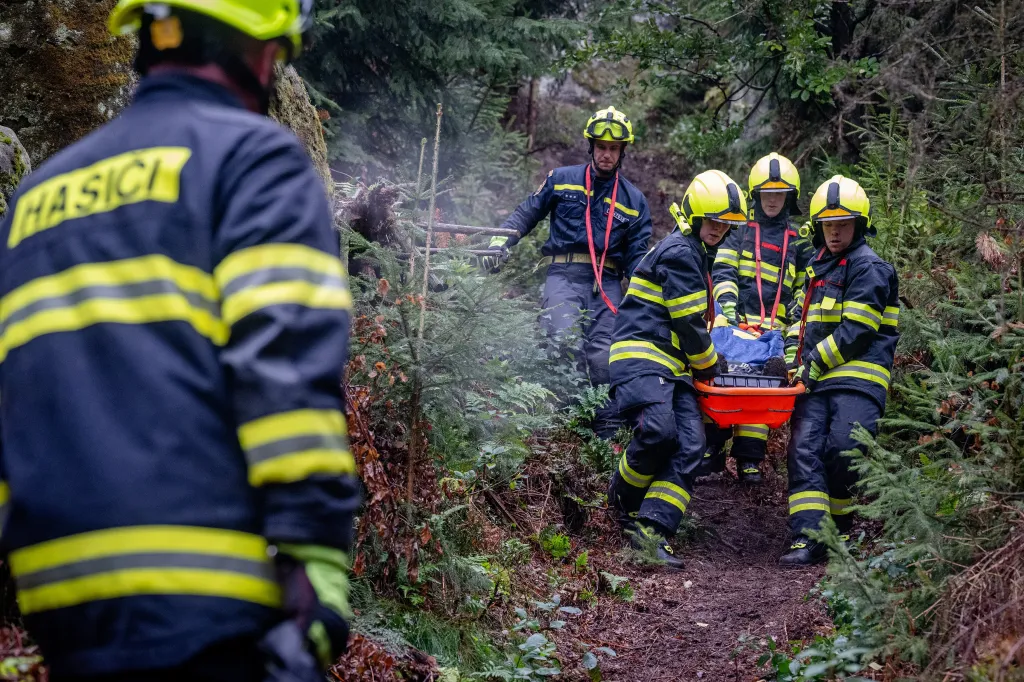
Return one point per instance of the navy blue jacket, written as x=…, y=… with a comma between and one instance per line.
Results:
x=661, y=327
x=173, y=331
x=563, y=195
x=853, y=313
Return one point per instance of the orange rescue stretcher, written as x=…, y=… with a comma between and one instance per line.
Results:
x=735, y=399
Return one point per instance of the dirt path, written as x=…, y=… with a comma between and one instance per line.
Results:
x=687, y=625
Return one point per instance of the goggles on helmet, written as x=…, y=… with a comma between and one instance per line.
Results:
x=608, y=130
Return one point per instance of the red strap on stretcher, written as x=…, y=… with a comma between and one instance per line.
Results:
x=607, y=235
x=757, y=273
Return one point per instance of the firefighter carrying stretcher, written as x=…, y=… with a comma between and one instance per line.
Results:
x=758, y=278
x=600, y=226
x=661, y=343
x=850, y=322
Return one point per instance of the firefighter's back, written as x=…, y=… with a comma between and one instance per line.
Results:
x=133, y=530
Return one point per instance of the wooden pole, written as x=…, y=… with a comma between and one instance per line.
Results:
x=417, y=391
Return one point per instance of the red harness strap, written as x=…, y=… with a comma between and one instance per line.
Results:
x=803, y=315
x=598, y=271
x=757, y=273
x=709, y=314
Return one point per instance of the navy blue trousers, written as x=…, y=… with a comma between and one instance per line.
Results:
x=820, y=477
x=654, y=479
x=581, y=324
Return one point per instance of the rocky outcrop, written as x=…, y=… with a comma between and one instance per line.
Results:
x=292, y=107
x=14, y=165
x=62, y=74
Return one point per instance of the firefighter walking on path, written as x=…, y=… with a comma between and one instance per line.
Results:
x=850, y=324
x=758, y=280
x=661, y=344
x=177, y=488
x=600, y=226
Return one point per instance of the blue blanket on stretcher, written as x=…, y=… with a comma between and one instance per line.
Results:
x=740, y=347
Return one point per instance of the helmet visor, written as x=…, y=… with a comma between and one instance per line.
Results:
x=608, y=130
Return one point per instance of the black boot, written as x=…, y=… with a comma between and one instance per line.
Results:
x=803, y=552
x=643, y=535
x=749, y=471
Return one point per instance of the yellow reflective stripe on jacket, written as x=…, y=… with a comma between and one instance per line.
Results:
x=728, y=256
x=891, y=316
x=863, y=313
x=570, y=188
x=630, y=475
x=687, y=305
x=280, y=274
x=758, y=431
x=815, y=313
x=768, y=273
x=811, y=500
x=620, y=207
x=858, y=369
x=5, y=498
x=829, y=352
x=668, y=492
x=144, y=560
x=133, y=291
x=726, y=288
x=649, y=291
x=703, y=360
x=143, y=175
x=839, y=507
x=644, y=350
x=291, y=446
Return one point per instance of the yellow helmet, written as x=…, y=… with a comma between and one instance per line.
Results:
x=712, y=194
x=260, y=19
x=776, y=173
x=610, y=125
x=839, y=198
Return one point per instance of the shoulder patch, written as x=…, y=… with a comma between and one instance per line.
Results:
x=540, y=187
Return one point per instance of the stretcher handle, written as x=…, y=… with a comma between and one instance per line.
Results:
x=710, y=389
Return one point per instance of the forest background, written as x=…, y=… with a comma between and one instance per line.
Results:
x=483, y=545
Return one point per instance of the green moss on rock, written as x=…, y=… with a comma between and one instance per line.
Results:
x=63, y=75
x=14, y=165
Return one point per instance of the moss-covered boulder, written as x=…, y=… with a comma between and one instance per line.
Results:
x=292, y=107
x=62, y=75
x=14, y=165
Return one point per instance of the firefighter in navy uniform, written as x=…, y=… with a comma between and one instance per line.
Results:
x=661, y=344
x=757, y=281
x=178, y=490
x=600, y=226
x=850, y=322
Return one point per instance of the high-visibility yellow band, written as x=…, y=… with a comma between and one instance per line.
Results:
x=135, y=540
x=291, y=446
x=134, y=291
x=829, y=352
x=703, y=360
x=723, y=288
x=647, y=355
x=809, y=506
x=269, y=256
x=758, y=431
x=301, y=465
x=631, y=476
x=728, y=256
x=624, y=209
x=891, y=316
x=840, y=507
x=645, y=284
x=668, y=492
x=808, y=495
x=304, y=294
x=150, y=581
x=857, y=369
x=570, y=188
x=5, y=492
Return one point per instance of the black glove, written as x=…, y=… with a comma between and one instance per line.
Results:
x=708, y=374
x=315, y=595
x=499, y=246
